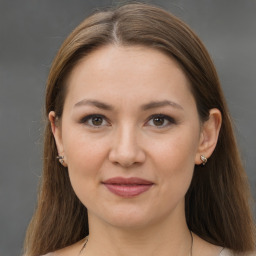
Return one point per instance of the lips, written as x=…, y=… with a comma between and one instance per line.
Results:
x=127, y=187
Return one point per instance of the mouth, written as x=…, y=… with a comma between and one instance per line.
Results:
x=127, y=187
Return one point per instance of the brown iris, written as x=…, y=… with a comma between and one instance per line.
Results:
x=97, y=120
x=158, y=121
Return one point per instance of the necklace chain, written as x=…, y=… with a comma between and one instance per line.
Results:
x=192, y=241
x=190, y=252
x=84, y=245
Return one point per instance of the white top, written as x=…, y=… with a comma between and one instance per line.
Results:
x=226, y=252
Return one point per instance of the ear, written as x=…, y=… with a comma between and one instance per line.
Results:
x=209, y=135
x=56, y=130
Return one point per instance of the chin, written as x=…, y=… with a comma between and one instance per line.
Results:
x=133, y=219
x=123, y=218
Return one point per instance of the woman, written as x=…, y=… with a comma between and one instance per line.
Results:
x=148, y=163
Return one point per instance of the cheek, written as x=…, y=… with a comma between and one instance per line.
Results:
x=82, y=148
x=177, y=150
x=174, y=158
x=84, y=156
x=85, y=159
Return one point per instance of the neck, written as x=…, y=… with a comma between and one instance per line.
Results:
x=163, y=239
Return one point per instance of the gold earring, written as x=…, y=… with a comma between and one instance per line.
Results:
x=203, y=159
x=61, y=159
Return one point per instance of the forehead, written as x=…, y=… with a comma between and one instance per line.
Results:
x=134, y=72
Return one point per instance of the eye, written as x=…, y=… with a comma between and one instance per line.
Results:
x=160, y=120
x=95, y=121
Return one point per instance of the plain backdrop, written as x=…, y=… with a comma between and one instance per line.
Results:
x=31, y=31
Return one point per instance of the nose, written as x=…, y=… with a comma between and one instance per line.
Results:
x=125, y=149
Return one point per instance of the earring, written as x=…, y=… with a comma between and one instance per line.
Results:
x=61, y=159
x=203, y=159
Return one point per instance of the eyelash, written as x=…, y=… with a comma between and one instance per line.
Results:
x=86, y=119
x=167, y=118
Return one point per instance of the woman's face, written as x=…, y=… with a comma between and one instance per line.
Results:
x=130, y=134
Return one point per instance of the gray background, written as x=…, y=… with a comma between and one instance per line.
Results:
x=31, y=31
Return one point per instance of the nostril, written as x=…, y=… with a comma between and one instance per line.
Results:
x=127, y=164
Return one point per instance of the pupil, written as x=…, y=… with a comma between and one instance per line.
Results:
x=97, y=120
x=158, y=121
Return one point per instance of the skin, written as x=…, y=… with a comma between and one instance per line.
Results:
x=125, y=140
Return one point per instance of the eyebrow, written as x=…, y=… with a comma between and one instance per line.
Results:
x=95, y=103
x=150, y=105
x=157, y=104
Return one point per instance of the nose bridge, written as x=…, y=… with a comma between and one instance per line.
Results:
x=126, y=140
x=126, y=149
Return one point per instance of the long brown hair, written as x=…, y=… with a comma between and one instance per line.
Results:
x=217, y=202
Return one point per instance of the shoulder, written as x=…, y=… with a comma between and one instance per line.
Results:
x=71, y=250
x=62, y=252
x=249, y=254
x=226, y=252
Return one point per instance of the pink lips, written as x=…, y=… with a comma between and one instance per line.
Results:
x=127, y=187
